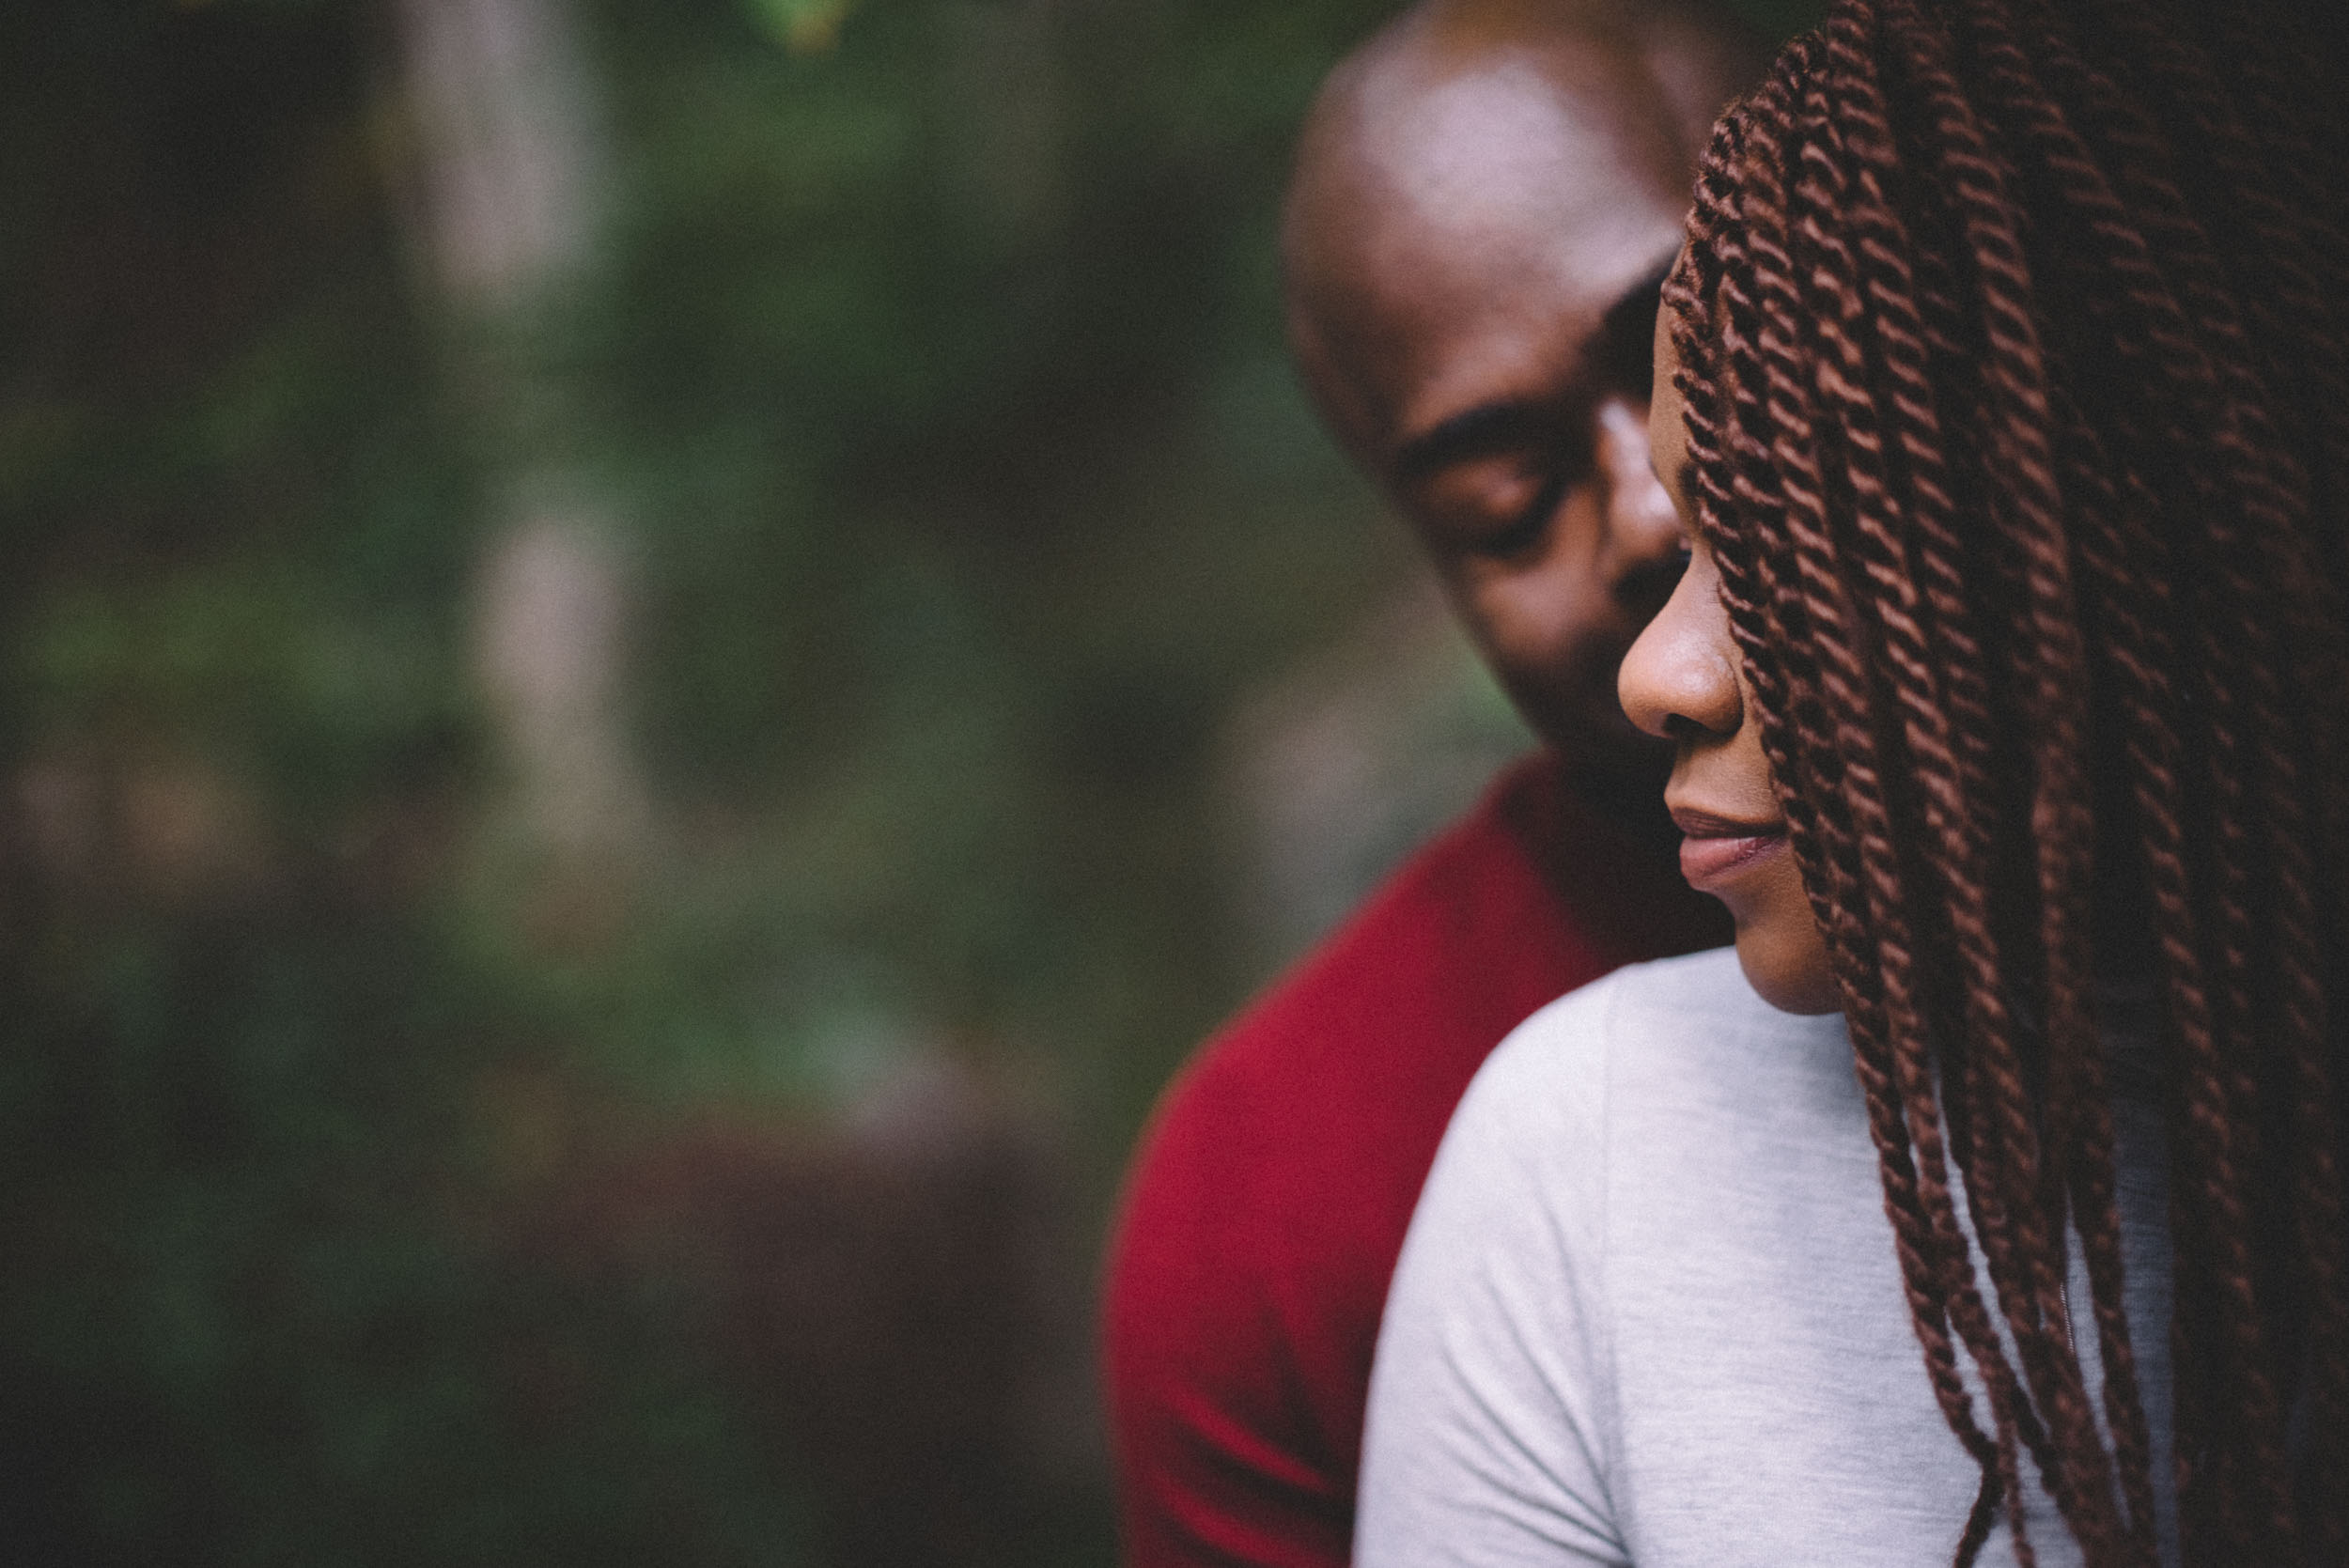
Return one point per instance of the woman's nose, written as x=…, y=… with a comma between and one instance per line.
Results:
x=1679, y=681
x=1641, y=554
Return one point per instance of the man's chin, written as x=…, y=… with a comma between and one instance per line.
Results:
x=1621, y=774
x=1608, y=754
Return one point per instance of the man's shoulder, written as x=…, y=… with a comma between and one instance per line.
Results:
x=1473, y=913
x=1272, y=1190
x=1277, y=1173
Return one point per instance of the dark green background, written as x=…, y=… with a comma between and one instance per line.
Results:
x=382, y=1189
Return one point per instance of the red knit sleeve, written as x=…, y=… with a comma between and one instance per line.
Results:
x=1268, y=1204
x=1220, y=1458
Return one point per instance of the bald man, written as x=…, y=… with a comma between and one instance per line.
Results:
x=1484, y=200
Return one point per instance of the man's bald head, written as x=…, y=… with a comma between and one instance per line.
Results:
x=1484, y=196
x=1463, y=110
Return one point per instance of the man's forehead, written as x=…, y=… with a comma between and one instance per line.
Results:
x=1509, y=112
x=1507, y=145
x=1457, y=236
x=1494, y=183
x=1395, y=367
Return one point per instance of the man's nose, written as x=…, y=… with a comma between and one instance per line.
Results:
x=1641, y=552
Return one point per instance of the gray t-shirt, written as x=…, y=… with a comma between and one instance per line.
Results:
x=1649, y=1309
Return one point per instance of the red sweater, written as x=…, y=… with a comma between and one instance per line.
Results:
x=1266, y=1208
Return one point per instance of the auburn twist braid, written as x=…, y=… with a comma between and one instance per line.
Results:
x=2012, y=338
x=1922, y=1252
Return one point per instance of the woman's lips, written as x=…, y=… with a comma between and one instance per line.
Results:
x=1718, y=849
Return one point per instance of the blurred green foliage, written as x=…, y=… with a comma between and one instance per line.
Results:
x=927, y=379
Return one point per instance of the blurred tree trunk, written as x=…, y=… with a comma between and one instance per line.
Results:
x=505, y=209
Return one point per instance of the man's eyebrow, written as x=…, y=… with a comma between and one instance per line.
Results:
x=1686, y=473
x=1472, y=433
x=1618, y=350
x=1627, y=335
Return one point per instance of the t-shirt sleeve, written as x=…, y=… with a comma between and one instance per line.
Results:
x=1491, y=1406
x=1207, y=1413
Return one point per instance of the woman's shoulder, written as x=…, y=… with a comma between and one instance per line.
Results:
x=1492, y=1419
x=1669, y=1005
x=1677, y=1035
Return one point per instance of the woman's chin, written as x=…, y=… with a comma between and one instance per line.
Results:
x=1789, y=970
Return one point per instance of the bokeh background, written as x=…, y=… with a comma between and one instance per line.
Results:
x=657, y=658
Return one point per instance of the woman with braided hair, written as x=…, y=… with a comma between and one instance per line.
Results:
x=1988, y=1205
